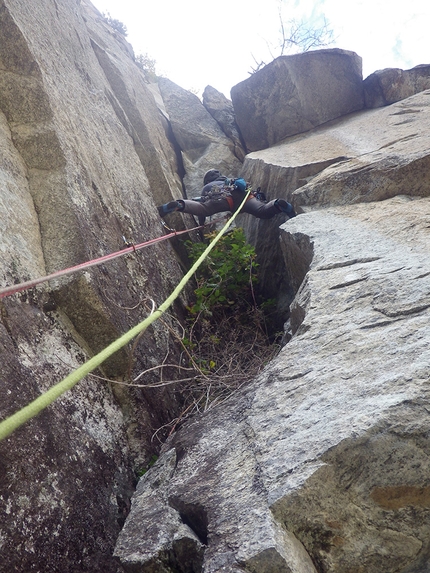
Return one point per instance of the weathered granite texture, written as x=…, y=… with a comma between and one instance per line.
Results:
x=323, y=463
x=370, y=155
x=87, y=151
x=385, y=153
x=82, y=148
x=203, y=143
x=294, y=94
x=384, y=87
x=221, y=109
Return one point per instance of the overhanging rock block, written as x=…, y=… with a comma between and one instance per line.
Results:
x=294, y=94
x=388, y=86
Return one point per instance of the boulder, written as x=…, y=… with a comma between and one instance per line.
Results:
x=202, y=142
x=294, y=94
x=384, y=87
x=221, y=109
x=369, y=156
x=321, y=463
x=383, y=153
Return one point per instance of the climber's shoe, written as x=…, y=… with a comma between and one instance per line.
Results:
x=285, y=207
x=169, y=208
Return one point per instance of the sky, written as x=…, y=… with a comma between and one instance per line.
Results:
x=196, y=43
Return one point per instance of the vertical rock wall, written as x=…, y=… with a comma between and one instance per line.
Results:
x=367, y=156
x=85, y=157
x=321, y=464
x=83, y=153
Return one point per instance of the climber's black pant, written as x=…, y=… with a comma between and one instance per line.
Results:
x=253, y=206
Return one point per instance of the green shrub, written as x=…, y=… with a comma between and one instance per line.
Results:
x=147, y=65
x=116, y=24
x=225, y=342
x=225, y=279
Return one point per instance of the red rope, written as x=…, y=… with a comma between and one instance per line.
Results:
x=6, y=291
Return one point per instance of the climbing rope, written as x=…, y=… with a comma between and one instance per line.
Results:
x=13, y=289
x=10, y=424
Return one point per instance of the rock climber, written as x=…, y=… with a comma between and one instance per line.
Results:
x=220, y=194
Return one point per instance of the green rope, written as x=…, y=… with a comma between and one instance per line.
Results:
x=10, y=424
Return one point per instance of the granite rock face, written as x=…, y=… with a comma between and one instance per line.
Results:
x=82, y=148
x=203, y=143
x=221, y=109
x=88, y=149
x=294, y=94
x=388, y=86
x=383, y=153
x=322, y=465
x=367, y=156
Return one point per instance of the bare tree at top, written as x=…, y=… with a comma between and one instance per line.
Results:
x=297, y=36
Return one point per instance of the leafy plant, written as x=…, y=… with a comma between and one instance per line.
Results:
x=226, y=341
x=147, y=65
x=225, y=279
x=116, y=24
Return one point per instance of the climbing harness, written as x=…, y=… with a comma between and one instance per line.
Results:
x=217, y=193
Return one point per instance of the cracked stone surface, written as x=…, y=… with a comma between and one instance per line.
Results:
x=81, y=150
x=322, y=464
x=367, y=156
x=296, y=93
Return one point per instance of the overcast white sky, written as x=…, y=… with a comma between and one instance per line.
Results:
x=197, y=43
